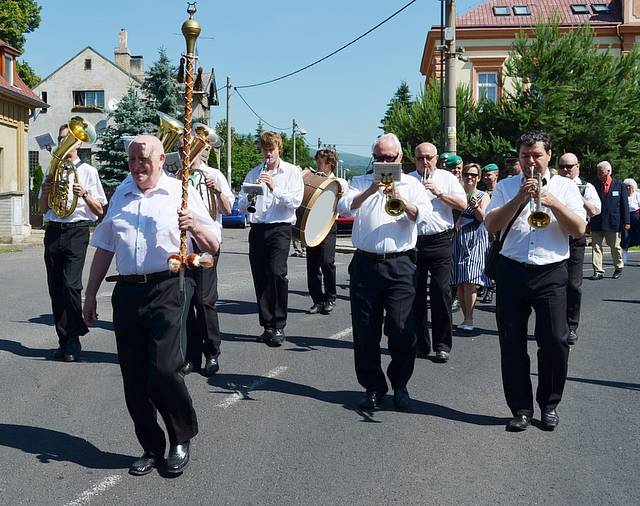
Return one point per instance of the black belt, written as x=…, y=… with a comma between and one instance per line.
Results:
x=533, y=267
x=431, y=237
x=154, y=277
x=385, y=256
x=72, y=224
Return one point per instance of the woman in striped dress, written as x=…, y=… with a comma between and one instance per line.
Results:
x=470, y=244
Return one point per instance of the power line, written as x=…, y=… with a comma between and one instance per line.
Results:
x=257, y=115
x=330, y=54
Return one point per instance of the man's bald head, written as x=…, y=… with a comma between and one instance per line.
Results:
x=426, y=157
x=146, y=157
x=150, y=144
x=569, y=166
x=568, y=159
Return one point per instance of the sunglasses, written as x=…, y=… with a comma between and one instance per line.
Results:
x=469, y=174
x=385, y=158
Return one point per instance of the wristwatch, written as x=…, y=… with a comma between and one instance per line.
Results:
x=84, y=195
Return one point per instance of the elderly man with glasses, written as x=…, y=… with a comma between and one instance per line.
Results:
x=434, y=253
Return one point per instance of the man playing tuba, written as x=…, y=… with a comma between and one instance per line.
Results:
x=66, y=237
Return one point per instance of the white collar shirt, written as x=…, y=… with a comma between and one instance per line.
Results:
x=196, y=178
x=540, y=246
x=279, y=205
x=589, y=194
x=142, y=228
x=374, y=230
x=90, y=181
x=441, y=219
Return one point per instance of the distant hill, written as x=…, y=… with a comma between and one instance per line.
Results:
x=355, y=163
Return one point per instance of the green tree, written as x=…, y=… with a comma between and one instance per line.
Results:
x=133, y=116
x=401, y=100
x=18, y=17
x=244, y=154
x=161, y=87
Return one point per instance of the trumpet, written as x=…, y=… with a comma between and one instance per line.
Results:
x=538, y=218
x=251, y=208
x=393, y=206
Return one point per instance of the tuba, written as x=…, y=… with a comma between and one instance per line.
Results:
x=61, y=169
x=169, y=131
x=393, y=206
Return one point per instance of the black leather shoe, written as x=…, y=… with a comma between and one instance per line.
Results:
x=58, y=354
x=518, y=423
x=211, y=366
x=276, y=338
x=596, y=276
x=315, y=309
x=371, y=400
x=421, y=353
x=441, y=357
x=617, y=273
x=266, y=335
x=401, y=399
x=70, y=357
x=145, y=464
x=550, y=419
x=188, y=368
x=572, y=338
x=327, y=307
x=178, y=458
x=488, y=296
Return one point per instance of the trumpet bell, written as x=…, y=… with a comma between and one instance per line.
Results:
x=539, y=219
x=394, y=207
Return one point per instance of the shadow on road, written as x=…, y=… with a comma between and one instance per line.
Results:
x=85, y=356
x=246, y=384
x=301, y=343
x=47, y=319
x=607, y=383
x=627, y=301
x=50, y=445
x=243, y=307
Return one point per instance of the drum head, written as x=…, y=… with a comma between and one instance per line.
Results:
x=320, y=214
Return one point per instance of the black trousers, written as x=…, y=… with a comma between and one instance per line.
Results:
x=203, y=326
x=65, y=249
x=382, y=292
x=268, y=254
x=321, y=266
x=434, y=260
x=519, y=289
x=574, y=287
x=149, y=320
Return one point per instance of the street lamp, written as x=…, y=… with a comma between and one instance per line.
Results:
x=340, y=169
x=296, y=130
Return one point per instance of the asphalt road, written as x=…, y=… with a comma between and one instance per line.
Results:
x=280, y=426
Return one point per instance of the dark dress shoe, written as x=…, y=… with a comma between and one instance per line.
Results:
x=178, y=458
x=58, y=354
x=401, y=399
x=596, y=276
x=441, y=357
x=422, y=353
x=188, y=368
x=617, y=273
x=145, y=464
x=371, y=400
x=276, y=338
x=488, y=296
x=315, y=309
x=518, y=423
x=327, y=307
x=550, y=419
x=266, y=335
x=70, y=357
x=572, y=338
x=211, y=366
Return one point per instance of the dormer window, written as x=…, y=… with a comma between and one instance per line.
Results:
x=579, y=9
x=600, y=8
x=87, y=64
x=8, y=69
x=501, y=10
x=521, y=10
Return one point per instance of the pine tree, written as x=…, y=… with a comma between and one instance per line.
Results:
x=133, y=116
x=161, y=88
x=401, y=99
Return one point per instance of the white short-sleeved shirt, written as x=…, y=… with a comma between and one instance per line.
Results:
x=374, y=230
x=90, y=181
x=590, y=194
x=541, y=246
x=142, y=228
x=197, y=180
x=441, y=219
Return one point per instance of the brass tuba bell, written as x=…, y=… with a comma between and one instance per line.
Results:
x=61, y=169
x=169, y=131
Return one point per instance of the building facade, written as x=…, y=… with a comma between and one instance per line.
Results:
x=487, y=31
x=16, y=102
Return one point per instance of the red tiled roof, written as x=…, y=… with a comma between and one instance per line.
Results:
x=4, y=44
x=19, y=90
x=483, y=16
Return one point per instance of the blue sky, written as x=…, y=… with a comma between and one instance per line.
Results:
x=340, y=100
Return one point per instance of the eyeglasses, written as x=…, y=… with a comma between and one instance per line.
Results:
x=567, y=167
x=469, y=174
x=385, y=158
x=425, y=157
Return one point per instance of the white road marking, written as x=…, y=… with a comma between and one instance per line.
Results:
x=238, y=396
x=342, y=334
x=104, y=484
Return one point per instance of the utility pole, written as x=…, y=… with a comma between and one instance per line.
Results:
x=319, y=143
x=229, y=92
x=293, y=140
x=450, y=76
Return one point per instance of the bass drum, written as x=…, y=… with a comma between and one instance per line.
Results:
x=317, y=213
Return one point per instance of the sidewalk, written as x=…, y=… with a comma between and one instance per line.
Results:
x=35, y=239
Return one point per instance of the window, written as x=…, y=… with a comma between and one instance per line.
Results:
x=87, y=64
x=521, y=10
x=88, y=99
x=501, y=10
x=8, y=69
x=579, y=9
x=34, y=161
x=43, y=96
x=600, y=8
x=488, y=86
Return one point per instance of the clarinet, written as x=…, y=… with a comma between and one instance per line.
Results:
x=251, y=208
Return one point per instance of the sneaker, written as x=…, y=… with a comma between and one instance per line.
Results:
x=488, y=296
x=572, y=338
x=455, y=305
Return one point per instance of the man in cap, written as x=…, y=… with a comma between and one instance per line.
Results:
x=454, y=165
x=489, y=177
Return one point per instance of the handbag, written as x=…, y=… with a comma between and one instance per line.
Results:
x=493, y=253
